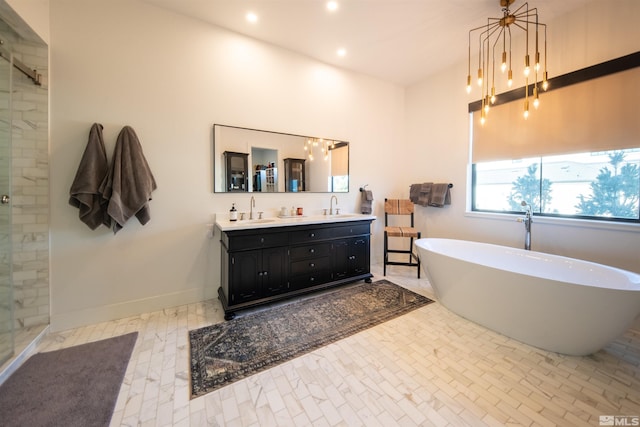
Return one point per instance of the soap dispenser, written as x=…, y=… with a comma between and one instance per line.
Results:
x=233, y=213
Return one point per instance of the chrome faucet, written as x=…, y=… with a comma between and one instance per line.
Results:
x=331, y=204
x=527, y=224
x=252, y=204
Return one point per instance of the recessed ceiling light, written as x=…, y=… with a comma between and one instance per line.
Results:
x=332, y=6
x=252, y=17
x=342, y=52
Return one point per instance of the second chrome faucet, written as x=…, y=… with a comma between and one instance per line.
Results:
x=331, y=204
x=252, y=204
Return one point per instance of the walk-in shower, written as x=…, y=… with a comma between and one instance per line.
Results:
x=24, y=189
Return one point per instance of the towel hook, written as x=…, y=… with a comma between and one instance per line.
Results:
x=363, y=188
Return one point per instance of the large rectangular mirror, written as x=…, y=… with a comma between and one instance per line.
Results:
x=253, y=160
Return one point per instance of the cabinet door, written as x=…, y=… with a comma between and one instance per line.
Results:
x=359, y=256
x=350, y=257
x=294, y=175
x=237, y=171
x=341, y=253
x=245, y=276
x=274, y=271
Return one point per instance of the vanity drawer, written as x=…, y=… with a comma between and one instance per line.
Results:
x=352, y=230
x=310, y=266
x=310, y=279
x=257, y=241
x=311, y=235
x=308, y=251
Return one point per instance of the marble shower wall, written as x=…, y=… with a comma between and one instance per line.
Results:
x=30, y=183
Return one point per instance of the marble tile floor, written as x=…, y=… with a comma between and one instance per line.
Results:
x=428, y=367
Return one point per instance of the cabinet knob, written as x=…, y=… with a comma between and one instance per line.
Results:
x=262, y=240
x=312, y=234
x=265, y=273
x=312, y=250
x=311, y=264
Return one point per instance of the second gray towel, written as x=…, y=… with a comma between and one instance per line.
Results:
x=129, y=184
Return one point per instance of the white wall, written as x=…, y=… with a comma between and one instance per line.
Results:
x=35, y=13
x=122, y=62
x=437, y=129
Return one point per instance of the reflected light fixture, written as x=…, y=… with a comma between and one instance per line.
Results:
x=326, y=146
x=496, y=34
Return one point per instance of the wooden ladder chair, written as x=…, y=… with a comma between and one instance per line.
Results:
x=401, y=207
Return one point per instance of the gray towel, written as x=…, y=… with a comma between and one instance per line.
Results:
x=85, y=191
x=367, y=200
x=129, y=184
x=414, y=192
x=424, y=199
x=440, y=195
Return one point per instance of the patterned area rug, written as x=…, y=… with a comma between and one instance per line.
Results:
x=229, y=351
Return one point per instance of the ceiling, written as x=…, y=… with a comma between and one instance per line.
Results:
x=400, y=41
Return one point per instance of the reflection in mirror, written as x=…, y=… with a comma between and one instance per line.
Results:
x=252, y=160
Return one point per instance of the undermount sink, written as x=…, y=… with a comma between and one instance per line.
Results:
x=256, y=221
x=345, y=215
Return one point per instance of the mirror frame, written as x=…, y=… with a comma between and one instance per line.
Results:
x=218, y=163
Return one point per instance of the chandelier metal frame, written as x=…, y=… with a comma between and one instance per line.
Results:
x=499, y=30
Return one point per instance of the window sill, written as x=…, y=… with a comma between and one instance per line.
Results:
x=566, y=222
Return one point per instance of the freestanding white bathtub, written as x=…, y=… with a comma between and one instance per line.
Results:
x=548, y=301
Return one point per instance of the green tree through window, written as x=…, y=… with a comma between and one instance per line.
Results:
x=615, y=190
x=531, y=189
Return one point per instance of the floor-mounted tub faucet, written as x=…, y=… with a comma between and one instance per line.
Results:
x=331, y=204
x=527, y=224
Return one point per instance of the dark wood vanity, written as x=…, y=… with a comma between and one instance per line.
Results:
x=267, y=264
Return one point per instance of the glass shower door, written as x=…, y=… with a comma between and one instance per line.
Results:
x=6, y=285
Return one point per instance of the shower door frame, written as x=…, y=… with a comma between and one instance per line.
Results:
x=7, y=332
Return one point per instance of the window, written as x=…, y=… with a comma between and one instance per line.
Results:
x=578, y=155
x=599, y=185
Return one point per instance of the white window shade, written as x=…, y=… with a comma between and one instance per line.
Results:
x=595, y=115
x=340, y=161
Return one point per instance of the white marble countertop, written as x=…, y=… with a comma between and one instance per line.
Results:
x=226, y=225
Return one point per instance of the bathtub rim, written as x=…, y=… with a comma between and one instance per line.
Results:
x=632, y=278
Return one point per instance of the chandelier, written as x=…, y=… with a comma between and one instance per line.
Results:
x=496, y=34
x=315, y=142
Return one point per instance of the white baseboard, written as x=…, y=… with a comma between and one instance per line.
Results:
x=88, y=316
